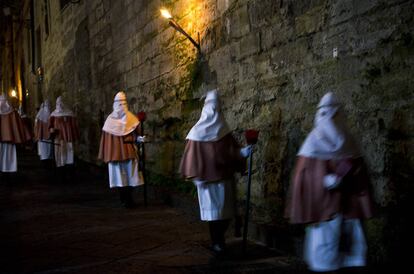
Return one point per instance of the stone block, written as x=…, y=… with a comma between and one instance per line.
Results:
x=165, y=64
x=310, y=22
x=132, y=78
x=107, y=5
x=94, y=3
x=341, y=11
x=99, y=12
x=262, y=65
x=362, y=7
x=249, y=45
x=138, y=5
x=222, y=62
x=239, y=22
x=222, y=6
x=264, y=12
x=136, y=58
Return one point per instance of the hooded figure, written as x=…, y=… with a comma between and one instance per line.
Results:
x=42, y=135
x=211, y=158
x=27, y=122
x=330, y=192
x=64, y=132
x=117, y=148
x=12, y=132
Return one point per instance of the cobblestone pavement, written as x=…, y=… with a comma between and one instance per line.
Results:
x=79, y=226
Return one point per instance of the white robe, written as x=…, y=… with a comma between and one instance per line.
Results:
x=8, y=158
x=323, y=247
x=124, y=173
x=63, y=153
x=216, y=200
x=44, y=149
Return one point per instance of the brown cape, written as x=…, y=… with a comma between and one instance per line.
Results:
x=41, y=131
x=117, y=148
x=66, y=128
x=12, y=129
x=212, y=161
x=309, y=201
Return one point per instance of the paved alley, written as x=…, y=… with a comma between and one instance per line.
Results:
x=79, y=226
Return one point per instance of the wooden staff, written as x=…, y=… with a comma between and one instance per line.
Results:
x=251, y=139
x=142, y=117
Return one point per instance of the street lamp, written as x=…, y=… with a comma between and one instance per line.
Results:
x=13, y=93
x=167, y=15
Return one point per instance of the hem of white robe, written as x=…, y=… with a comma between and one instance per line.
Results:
x=8, y=171
x=131, y=185
x=10, y=158
x=342, y=259
x=352, y=263
x=64, y=154
x=44, y=150
x=132, y=180
x=224, y=211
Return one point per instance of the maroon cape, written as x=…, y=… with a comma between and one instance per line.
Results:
x=309, y=201
x=12, y=129
x=212, y=161
x=41, y=131
x=66, y=128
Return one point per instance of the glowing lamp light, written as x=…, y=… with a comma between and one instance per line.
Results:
x=167, y=15
x=13, y=93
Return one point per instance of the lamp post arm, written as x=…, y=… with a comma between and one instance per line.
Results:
x=176, y=26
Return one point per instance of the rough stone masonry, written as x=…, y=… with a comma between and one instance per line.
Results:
x=272, y=60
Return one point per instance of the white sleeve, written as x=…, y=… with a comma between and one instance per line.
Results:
x=245, y=151
x=331, y=181
x=141, y=139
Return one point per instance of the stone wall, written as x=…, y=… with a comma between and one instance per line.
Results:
x=272, y=60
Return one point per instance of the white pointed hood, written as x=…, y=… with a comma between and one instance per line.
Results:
x=5, y=107
x=211, y=126
x=330, y=137
x=121, y=121
x=61, y=109
x=44, y=112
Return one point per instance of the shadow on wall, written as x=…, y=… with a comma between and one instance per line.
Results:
x=82, y=54
x=398, y=234
x=208, y=77
x=172, y=130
